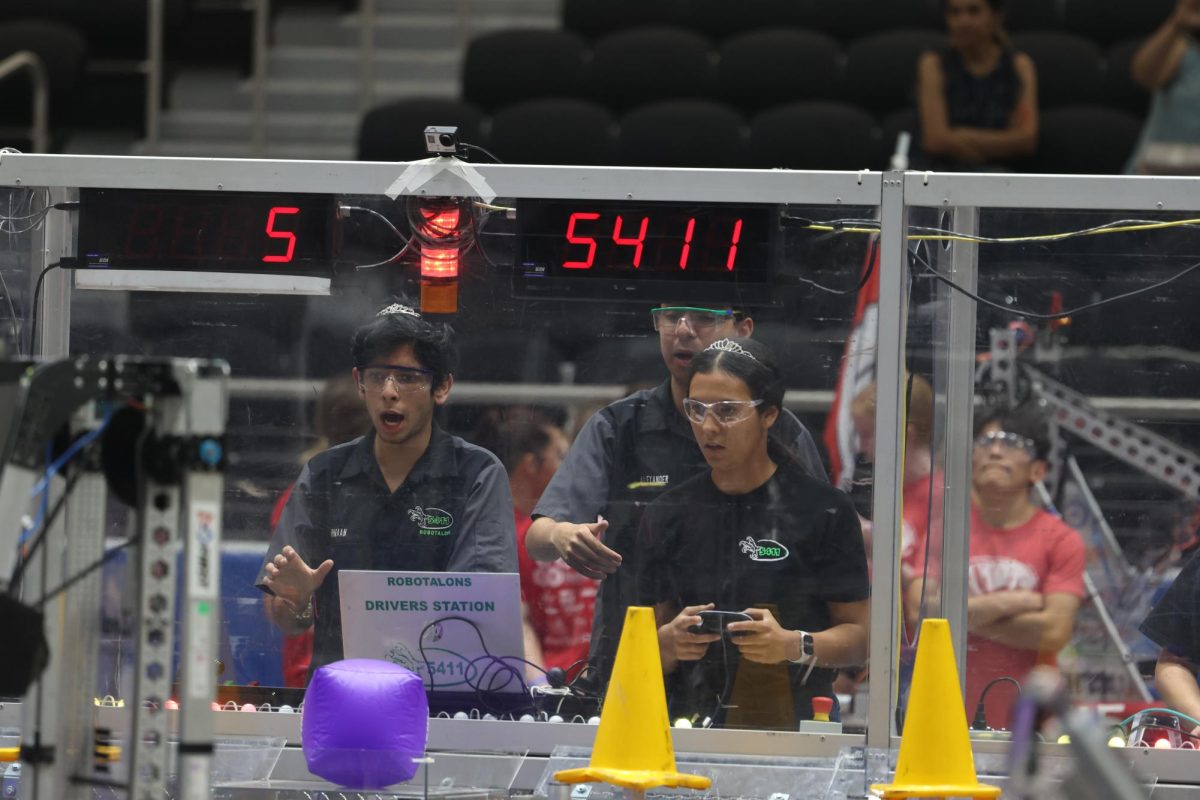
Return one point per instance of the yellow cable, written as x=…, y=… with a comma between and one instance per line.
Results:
x=1043, y=237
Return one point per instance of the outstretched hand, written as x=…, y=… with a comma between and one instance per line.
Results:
x=579, y=545
x=290, y=579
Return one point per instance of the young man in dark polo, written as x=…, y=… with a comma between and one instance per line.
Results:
x=625, y=456
x=407, y=496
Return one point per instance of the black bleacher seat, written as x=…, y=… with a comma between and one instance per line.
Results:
x=852, y=19
x=395, y=131
x=554, y=131
x=596, y=18
x=1085, y=140
x=507, y=67
x=881, y=69
x=113, y=29
x=762, y=68
x=815, y=135
x=649, y=64
x=1120, y=89
x=62, y=51
x=1033, y=15
x=719, y=19
x=1069, y=67
x=889, y=132
x=1110, y=21
x=682, y=133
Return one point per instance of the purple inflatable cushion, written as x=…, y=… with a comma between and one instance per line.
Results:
x=364, y=722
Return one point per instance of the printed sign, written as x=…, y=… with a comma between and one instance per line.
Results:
x=460, y=631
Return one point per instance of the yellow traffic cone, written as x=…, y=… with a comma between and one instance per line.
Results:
x=633, y=743
x=935, y=749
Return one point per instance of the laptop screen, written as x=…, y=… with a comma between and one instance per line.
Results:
x=460, y=631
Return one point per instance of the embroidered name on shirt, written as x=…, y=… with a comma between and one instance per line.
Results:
x=433, y=521
x=763, y=549
x=650, y=482
x=339, y=533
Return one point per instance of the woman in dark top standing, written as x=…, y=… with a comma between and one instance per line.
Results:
x=752, y=534
x=977, y=98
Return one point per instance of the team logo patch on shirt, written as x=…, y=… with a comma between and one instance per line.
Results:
x=433, y=521
x=339, y=533
x=763, y=549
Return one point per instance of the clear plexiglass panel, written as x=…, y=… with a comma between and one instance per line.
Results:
x=467, y=365
x=1080, y=467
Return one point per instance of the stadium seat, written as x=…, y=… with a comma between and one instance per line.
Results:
x=596, y=18
x=763, y=68
x=881, y=69
x=650, y=64
x=815, y=135
x=1120, y=89
x=682, y=133
x=1110, y=21
x=394, y=132
x=507, y=67
x=113, y=29
x=853, y=19
x=554, y=131
x=62, y=52
x=1033, y=15
x=1086, y=140
x=719, y=19
x=1069, y=67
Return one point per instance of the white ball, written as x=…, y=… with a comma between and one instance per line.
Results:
x=526, y=718
x=460, y=715
x=285, y=709
x=594, y=721
x=556, y=718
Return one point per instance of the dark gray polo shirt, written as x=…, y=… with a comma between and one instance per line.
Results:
x=625, y=456
x=452, y=514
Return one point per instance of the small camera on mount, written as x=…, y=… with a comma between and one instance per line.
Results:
x=441, y=140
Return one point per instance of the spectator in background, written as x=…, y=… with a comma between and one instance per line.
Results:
x=1174, y=624
x=977, y=98
x=339, y=416
x=1025, y=579
x=919, y=483
x=556, y=601
x=1168, y=64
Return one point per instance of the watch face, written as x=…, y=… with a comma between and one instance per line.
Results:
x=806, y=644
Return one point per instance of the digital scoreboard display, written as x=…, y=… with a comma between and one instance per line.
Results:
x=272, y=234
x=645, y=251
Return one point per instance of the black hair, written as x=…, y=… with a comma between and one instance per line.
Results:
x=757, y=370
x=1023, y=421
x=513, y=433
x=397, y=324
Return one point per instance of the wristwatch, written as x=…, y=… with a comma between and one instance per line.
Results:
x=808, y=652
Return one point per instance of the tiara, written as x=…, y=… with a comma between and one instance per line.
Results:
x=396, y=308
x=730, y=346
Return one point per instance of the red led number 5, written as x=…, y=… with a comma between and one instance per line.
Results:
x=275, y=234
x=588, y=240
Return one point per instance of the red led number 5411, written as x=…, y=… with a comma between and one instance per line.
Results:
x=634, y=236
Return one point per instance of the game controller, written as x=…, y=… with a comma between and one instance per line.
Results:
x=718, y=621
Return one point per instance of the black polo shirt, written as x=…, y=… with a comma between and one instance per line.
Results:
x=453, y=513
x=1174, y=622
x=793, y=545
x=628, y=454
